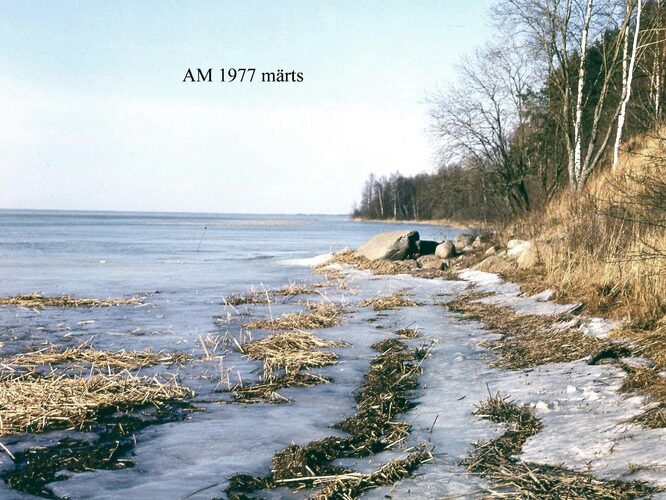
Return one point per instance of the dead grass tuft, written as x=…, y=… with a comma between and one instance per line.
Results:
x=291, y=351
x=352, y=485
x=266, y=391
x=385, y=302
x=319, y=315
x=37, y=300
x=650, y=383
x=32, y=403
x=124, y=360
x=527, y=339
x=408, y=333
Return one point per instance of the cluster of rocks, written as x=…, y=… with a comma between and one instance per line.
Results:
x=425, y=254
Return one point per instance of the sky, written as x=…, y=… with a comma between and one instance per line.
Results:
x=94, y=113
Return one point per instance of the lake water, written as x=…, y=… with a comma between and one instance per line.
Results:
x=192, y=260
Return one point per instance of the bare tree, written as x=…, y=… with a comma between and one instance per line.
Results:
x=480, y=118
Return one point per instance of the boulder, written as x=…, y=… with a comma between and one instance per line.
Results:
x=445, y=250
x=426, y=247
x=468, y=249
x=529, y=257
x=431, y=262
x=492, y=250
x=398, y=245
x=493, y=264
x=482, y=241
x=462, y=241
x=515, y=247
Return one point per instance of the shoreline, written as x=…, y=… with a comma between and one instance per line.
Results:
x=429, y=222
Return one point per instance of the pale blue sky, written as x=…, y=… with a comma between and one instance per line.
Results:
x=94, y=114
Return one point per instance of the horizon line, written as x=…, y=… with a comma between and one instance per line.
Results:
x=100, y=211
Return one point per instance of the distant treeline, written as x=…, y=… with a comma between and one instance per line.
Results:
x=528, y=117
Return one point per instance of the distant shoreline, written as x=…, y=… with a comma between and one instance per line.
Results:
x=423, y=222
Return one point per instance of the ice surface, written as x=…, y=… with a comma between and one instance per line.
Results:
x=584, y=417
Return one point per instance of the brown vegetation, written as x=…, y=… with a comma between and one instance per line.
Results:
x=385, y=302
x=527, y=339
x=383, y=396
x=34, y=403
x=497, y=461
x=291, y=351
x=124, y=360
x=37, y=300
x=319, y=315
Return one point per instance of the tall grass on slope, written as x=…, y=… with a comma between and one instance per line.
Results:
x=607, y=246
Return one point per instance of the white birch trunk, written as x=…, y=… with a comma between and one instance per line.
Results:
x=628, y=75
x=579, y=97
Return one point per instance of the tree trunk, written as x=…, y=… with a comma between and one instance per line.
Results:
x=628, y=75
x=577, y=166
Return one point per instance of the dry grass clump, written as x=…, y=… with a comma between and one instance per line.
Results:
x=124, y=360
x=266, y=391
x=31, y=403
x=650, y=383
x=392, y=374
x=385, y=302
x=37, y=300
x=527, y=339
x=268, y=296
x=497, y=461
x=249, y=298
x=408, y=333
x=319, y=315
x=293, y=289
x=292, y=351
x=352, y=485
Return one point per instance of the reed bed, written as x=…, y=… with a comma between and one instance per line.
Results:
x=249, y=298
x=318, y=315
x=497, y=461
x=266, y=391
x=354, y=484
x=37, y=300
x=268, y=296
x=292, y=351
x=527, y=339
x=386, y=302
x=33, y=403
x=384, y=395
x=124, y=360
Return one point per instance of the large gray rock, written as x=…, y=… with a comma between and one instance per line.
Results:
x=426, y=247
x=445, y=250
x=397, y=245
x=462, y=241
x=431, y=262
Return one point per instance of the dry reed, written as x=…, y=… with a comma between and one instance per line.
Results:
x=291, y=351
x=124, y=360
x=32, y=403
x=497, y=461
x=392, y=374
x=37, y=300
x=527, y=339
x=319, y=315
x=385, y=302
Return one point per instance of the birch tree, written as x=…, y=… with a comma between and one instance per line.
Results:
x=627, y=76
